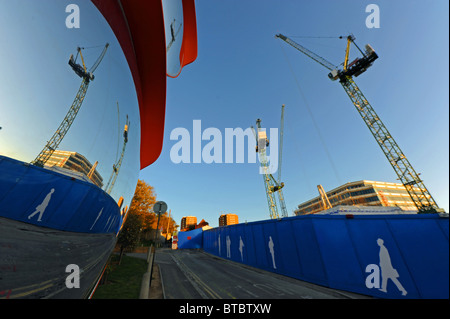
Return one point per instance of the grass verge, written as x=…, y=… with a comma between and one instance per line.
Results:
x=124, y=281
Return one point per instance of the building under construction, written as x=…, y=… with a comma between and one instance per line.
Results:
x=363, y=193
x=75, y=162
x=228, y=219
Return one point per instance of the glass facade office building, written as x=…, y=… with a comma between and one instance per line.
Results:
x=363, y=193
x=75, y=162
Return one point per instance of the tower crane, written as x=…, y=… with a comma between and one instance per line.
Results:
x=116, y=167
x=284, y=212
x=87, y=76
x=271, y=184
x=405, y=172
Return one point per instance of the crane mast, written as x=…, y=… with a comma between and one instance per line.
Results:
x=284, y=212
x=116, y=167
x=269, y=181
x=63, y=128
x=404, y=170
x=271, y=185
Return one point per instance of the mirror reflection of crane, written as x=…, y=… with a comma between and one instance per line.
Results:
x=405, y=172
x=173, y=34
x=271, y=184
x=87, y=76
x=116, y=166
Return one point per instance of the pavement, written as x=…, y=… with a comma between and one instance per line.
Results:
x=156, y=290
x=194, y=274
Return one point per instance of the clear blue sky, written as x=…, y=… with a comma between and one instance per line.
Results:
x=243, y=73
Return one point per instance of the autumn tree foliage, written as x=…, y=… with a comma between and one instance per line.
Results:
x=142, y=205
x=140, y=219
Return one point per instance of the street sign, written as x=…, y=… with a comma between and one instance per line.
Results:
x=160, y=207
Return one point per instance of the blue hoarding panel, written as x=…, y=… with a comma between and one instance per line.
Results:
x=260, y=247
x=423, y=249
x=191, y=239
x=249, y=246
x=273, y=248
x=370, y=237
x=386, y=256
x=50, y=199
x=337, y=250
x=308, y=250
x=289, y=255
x=26, y=194
x=9, y=175
x=444, y=227
x=220, y=242
x=237, y=246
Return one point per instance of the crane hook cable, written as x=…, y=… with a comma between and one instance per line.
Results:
x=314, y=37
x=312, y=118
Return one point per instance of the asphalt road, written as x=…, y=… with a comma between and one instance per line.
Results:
x=34, y=260
x=194, y=274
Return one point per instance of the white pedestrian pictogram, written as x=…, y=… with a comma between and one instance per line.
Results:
x=272, y=251
x=241, y=248
x=42, y=206
x=387, y=270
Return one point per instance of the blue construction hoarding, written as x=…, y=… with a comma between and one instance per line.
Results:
x=386, y=256
x=192, y=239
x=42, y=197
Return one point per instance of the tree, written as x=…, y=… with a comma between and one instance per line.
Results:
x=142, y=204
x=130, y=233
x=167, y=224
x=139, y=217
